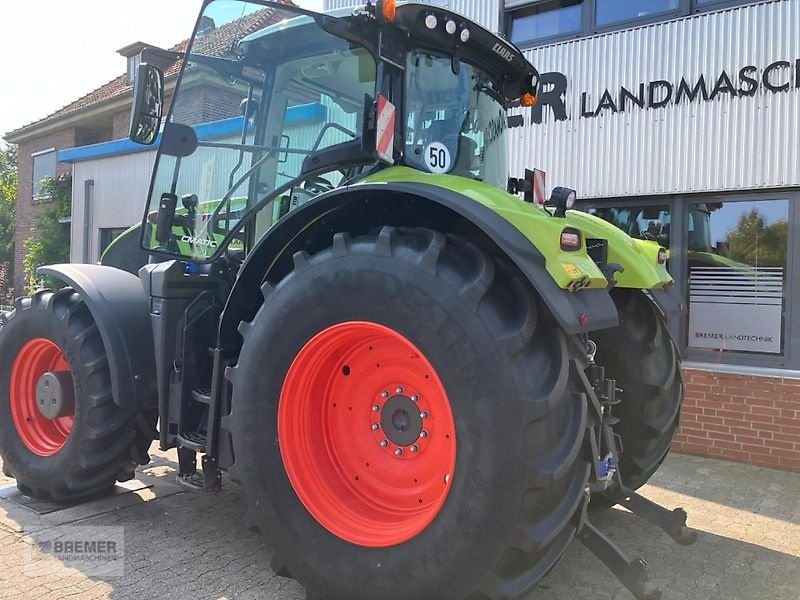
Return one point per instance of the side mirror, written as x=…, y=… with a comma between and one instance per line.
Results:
x=148, y=104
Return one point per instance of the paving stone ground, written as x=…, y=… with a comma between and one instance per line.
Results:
x=182, y=545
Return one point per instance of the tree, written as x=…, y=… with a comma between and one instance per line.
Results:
x=753, y=242
x=49, y=243
x=8, y=210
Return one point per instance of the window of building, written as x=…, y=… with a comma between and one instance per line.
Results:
x=44, y=167
x=731, y=257
x=610, y=12
x=737, y=265
x=548, y=19
x=108, y=235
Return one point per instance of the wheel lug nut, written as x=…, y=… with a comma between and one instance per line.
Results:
x=413, y=448
x=423, y=414
x=375, y=427
x=398, y=452
x=384, y=443
x=376, y=407
x=414, y=398
x=384, y=394
x=399, y=390
x=423, y=433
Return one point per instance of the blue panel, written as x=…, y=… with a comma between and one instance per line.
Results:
x=295, y=115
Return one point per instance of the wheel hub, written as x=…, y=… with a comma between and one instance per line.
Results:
x=42, y=397
x=401, y=421
x=55, y=394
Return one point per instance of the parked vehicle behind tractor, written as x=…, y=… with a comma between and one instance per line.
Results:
x=425, y=384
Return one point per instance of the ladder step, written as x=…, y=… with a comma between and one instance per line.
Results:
x=192, y=440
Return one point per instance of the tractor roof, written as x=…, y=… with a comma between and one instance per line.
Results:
x=483, y=48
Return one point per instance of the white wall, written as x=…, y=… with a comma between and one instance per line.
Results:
x=729, y=143
x=121, y=184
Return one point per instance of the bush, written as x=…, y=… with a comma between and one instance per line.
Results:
x=50, y=242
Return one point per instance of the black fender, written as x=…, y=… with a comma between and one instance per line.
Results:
x=672, y=305
x=121, y=310
x=407, y=204
x=126, y=253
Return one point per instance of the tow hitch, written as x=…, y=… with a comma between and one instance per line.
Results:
x=605, y=447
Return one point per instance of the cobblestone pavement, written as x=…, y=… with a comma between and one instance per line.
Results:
x=182, y=545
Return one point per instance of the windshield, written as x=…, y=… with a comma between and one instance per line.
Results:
x=456, y=119
x=263, y=88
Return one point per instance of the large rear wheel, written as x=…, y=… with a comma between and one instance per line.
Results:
x=62, y=437
x=404, y=424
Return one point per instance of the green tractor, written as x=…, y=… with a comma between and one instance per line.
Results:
x=426, y=384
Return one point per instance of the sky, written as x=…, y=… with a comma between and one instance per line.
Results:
x=55, y=51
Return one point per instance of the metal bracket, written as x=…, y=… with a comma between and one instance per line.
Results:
x=212, y=476
x=631, y=573
x=673, y=522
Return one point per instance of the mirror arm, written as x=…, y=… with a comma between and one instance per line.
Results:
x=158, y=57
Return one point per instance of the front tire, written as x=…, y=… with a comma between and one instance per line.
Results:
x=91, y=443
x=507, y=423
x=640, y=355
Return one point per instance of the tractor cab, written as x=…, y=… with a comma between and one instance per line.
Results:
x=275, y=105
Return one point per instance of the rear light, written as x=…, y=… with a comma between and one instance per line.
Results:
x=528, y=99
x=662, y=256
x=570, y=240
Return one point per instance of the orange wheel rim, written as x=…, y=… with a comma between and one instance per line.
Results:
x=40, y=435
x=366, y=434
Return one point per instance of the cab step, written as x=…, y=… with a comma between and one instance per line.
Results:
x=192, y=440
x=202, y=395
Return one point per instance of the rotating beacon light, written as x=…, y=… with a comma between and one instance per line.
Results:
x=386, y=10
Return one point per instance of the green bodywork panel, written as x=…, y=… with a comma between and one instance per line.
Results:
x=572, y=270
x=638, y=257
x=178, y=232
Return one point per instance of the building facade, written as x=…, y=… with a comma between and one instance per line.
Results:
x=679, y=121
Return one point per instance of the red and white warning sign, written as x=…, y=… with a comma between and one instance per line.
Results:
x=539, y=179
x=384, y=134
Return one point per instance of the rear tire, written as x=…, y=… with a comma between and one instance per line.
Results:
x=640, y=355
x=519, y=420
x=102, y=443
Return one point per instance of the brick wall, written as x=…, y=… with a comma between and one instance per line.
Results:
x=121, y=124
x=26, y=208
x=743, y=418
x=206, y=103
